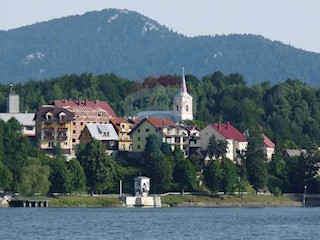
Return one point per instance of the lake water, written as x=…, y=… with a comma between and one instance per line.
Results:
x=159, y=223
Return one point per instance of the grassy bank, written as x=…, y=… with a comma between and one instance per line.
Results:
x=227, y=201
x=83, y=201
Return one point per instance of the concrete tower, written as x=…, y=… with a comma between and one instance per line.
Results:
x=13, y=102
x=182, y=102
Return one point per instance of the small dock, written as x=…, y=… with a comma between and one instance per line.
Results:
x=29, y=203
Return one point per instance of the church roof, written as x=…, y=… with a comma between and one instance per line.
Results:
x=156, y=114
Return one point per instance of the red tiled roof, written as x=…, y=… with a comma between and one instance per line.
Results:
x=116, y=121
x=80, y=104
x=268, y=142
x=228, y=131
x=159, y=122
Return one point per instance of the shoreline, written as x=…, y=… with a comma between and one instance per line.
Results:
x=179, y=201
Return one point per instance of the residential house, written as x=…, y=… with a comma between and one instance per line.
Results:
x=144, y=128
x=176, y=135
x=26, y=121
x=53, y=128
x=191, y=139
x=123, y=127
x=85, y=112
x=105, y=133
x=268, y=147
x=235, y=139
x=291, y=153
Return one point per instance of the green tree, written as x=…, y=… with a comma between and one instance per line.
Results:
x=212, y=174
x=34, y=178
x=60, y=176
x=157, y=167
x=229, y=175
x=6, y=177
x=78, y=178
x=255, y=160
x=99, y=168
x=184, y=174
x=217, y=147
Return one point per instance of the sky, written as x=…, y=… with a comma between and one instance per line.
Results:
x=293, y=22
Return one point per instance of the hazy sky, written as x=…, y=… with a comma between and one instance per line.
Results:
x=294, y=22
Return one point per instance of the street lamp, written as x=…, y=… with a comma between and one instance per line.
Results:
x=304, y=195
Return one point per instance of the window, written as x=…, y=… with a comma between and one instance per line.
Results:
x=74, y=131
x=73, y=140
x=187, y=108
x=138, y=130
x=177, y=108
x=111, y=143
x=74, y=123
x=65, y=143
x=49, y=116
x=81, y=123
x=138, y=146
x=29, y=128
x=147, y=130
x=138, y=138
x=50, y=144
x=177, y=140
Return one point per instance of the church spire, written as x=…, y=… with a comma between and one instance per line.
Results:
x=183, y=86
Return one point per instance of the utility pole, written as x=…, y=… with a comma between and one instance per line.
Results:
x=304, y=195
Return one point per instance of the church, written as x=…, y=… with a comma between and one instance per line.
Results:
x=182, y=106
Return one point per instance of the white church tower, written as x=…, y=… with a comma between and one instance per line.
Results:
x=182, y=102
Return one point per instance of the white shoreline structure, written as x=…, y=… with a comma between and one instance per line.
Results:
x=141, y=197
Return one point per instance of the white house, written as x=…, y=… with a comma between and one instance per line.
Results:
x=235, y=139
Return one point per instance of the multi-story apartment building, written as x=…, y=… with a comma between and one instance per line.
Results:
x=54, y=128
x=85, y=112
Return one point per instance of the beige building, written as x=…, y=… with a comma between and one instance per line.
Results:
x=123, y=127
x=54, y=128
x=85, y=112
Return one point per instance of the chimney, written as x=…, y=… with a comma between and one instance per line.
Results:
x=219, y=125
x=163, y=121
x=228, y=124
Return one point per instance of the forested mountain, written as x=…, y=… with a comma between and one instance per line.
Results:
x=134, y=46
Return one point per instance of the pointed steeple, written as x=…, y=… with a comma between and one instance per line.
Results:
x=183, y=86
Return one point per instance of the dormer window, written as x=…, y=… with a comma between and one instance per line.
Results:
x=49, y=116
x=62, y=116
x=106, y=134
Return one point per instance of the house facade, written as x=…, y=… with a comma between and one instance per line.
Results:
x=105, y=133
x=268, y=147
x=123, y=127
x=146, y=127
x=235, y=139
x=53, y=128
x=85, y=112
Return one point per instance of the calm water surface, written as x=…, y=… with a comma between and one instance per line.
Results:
x=159, y=223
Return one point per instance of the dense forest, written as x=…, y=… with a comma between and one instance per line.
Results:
x=288, y=113
x=134, y=46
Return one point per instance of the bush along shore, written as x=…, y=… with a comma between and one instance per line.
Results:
x=229, y=201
